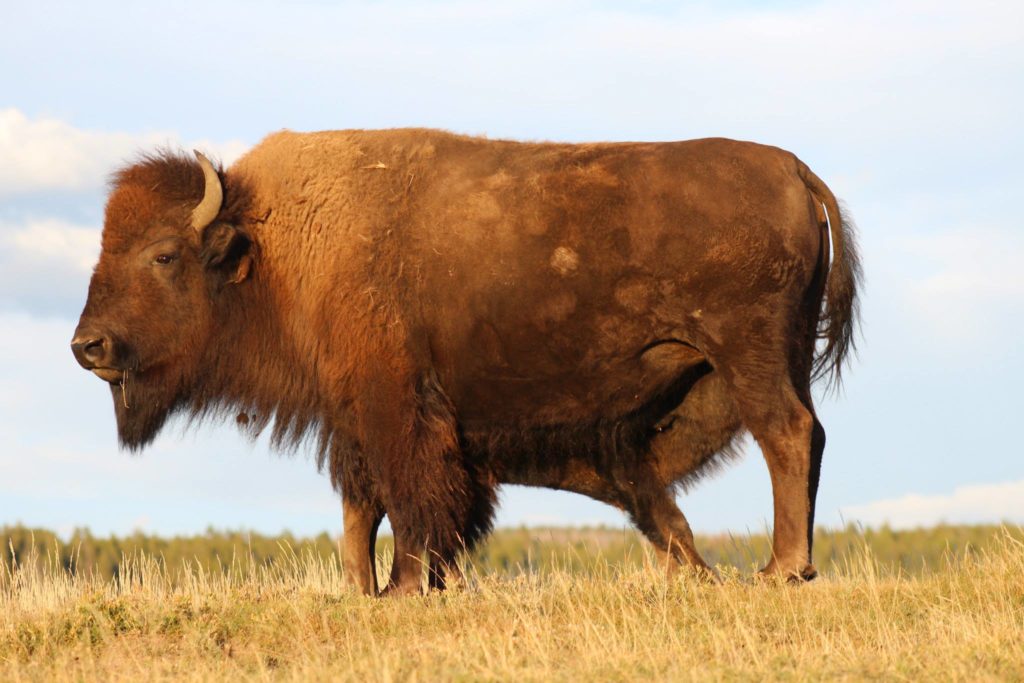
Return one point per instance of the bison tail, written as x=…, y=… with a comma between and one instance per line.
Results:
x=838, y=320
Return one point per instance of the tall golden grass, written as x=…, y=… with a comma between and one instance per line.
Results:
x=295, y=619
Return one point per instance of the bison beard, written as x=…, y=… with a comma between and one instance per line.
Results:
x=141, y=409
x=445, y=313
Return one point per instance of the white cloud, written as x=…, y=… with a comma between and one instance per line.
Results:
x=45, y=261
x=45, y=265
x=45, y=154
x=966, y=281
x=75, y=246
x=975, y=504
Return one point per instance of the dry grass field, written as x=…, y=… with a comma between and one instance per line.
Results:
x=294, y=619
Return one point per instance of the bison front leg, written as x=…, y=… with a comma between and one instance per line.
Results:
x=419, y=469
x=651, y=505
x=362, y=518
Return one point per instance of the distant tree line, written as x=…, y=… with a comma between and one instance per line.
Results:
x=508, y=551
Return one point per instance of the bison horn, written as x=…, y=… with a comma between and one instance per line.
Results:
x=209, y=207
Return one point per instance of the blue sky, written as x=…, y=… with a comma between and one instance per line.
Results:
x=911, y=111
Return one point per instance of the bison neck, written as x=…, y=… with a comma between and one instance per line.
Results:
x=257, y=368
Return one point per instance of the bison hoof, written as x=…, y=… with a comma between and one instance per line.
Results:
x=775, y=572
x=706, y=575
x=401, y=590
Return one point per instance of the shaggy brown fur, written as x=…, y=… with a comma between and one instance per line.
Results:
x=447, y=312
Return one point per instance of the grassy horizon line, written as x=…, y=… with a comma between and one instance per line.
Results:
x=507, y=551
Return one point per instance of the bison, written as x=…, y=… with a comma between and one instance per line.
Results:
x=441, y=313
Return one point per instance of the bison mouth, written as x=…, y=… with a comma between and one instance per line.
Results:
x=112, y=375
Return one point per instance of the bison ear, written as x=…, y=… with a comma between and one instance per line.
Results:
x=227, y=250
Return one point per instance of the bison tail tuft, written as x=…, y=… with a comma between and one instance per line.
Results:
x=838, y=322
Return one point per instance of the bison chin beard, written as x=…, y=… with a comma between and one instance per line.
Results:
x=142, y=406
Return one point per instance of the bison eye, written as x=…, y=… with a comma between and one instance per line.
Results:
x=164, y=259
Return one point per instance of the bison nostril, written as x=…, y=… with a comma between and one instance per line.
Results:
x=94, y=349
x=90, y=351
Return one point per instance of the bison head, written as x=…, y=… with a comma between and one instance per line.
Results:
x=169, y=249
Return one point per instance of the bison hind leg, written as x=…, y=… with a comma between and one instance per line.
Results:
x=791, y=441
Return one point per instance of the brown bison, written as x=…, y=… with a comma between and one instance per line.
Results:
x=444, y=313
